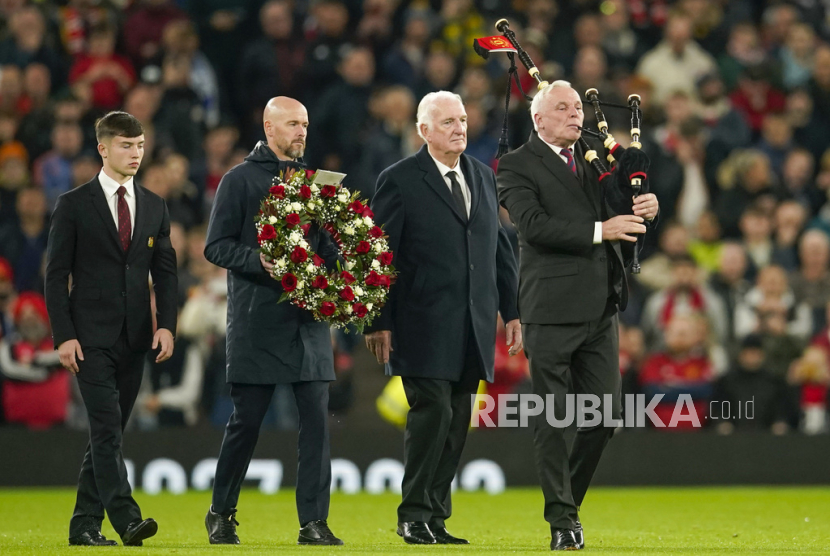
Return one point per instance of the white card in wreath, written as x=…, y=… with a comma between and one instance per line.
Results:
x=324, y=177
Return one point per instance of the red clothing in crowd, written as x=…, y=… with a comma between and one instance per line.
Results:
x=106, y=93
x=774, y=103
x=662, y=373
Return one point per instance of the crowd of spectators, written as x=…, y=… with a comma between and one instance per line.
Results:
x=733, y=300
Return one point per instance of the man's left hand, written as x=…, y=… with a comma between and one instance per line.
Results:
x=163, y=338
x=646, y=206
x=514, y=336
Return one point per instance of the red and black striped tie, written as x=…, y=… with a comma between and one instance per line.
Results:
x=569, y=157
x=125, y=229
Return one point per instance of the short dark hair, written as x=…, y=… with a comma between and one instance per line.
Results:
x=117, y=123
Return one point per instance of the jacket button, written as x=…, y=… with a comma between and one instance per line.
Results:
x=472, y=267
x=469, y=232
x=123, y=294
x=127, y=266
x=471, y=302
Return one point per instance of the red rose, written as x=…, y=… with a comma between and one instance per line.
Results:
x=327, y=308
x=309, y=173
x=360, y=310
x=347, y=277
x=376, y=232
x=268, y=232
x=317, y=260
x=347, y=294
x=292, y=219
x=328, y=191
x=299, y=255
x=289, y=282
x=383, y=280
x=367, y=212
x=305, y=228
x=356, y=206
x=277, y=191
x=385, y=258
x=305, y=192
x=363, y=247
x=320, y=282
x=372, y=279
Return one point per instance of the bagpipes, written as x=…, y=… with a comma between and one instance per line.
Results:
x=627, y=176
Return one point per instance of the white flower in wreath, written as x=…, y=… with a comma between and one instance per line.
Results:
x=314, y=188
x=378, y=248
x=349, y=265
x=300, y=284
x=368, y=222
x=309, y=268
x=303, y=243
x=376, y=264
x=272, y=219
x=349, y=309
x=348, y=230
x=369, y=306
x=297, y=207
x=295, y=237
x=357, y=222
x=281, y=263
x=357, y=290
x=343, y=197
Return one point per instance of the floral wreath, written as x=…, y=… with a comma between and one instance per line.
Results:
x=355, y=292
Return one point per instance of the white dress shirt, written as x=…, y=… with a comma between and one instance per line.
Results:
x=110, y=187
x=459, y=175
x=558, y=150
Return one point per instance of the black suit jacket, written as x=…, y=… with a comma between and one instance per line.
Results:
x=448, y=268
x=109, y=287
x=268, y=342
x=564, y=276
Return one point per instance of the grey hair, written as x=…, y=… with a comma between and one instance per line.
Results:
x=536, y=104
x=426, y=105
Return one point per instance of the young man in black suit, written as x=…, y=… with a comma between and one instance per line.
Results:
x=438, y=328
x=270, y=343
x=573, y=282
x=110, y=234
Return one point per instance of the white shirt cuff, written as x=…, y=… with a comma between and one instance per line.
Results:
x=597, y=232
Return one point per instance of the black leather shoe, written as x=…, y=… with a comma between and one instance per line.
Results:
x=318, y=532
x=563, y=539
x=91, y=538
x=442, y=536
x=138, y=531
x=221, y=528
x=578, y=536
x=415, y=532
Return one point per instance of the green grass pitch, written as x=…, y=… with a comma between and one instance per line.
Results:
x=727, y=520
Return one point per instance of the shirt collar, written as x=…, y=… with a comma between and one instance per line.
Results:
x=110, y=186
x=556, y=149
x=443, y=168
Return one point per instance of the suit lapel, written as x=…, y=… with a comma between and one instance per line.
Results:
x=140, y=218
x=589, y=184
x=99, y=200
x=559, y=169
x=474, y=179
x=436, y=181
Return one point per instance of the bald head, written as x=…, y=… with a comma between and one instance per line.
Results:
x=286, y=125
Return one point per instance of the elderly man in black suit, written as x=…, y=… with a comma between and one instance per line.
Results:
x=438, y=328
x=573, y=282
x=109, y=235
x=269, y=343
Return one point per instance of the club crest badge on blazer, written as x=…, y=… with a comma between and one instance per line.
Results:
x=150, y=242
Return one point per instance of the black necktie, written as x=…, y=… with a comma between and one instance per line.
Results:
x=457, y=195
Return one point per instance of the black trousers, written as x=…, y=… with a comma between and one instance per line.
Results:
x=589, y=353
x=436, y=430
x=109, y=380
x=250, y=403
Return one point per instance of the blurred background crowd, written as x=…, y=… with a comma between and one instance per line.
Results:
x=733, y=300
